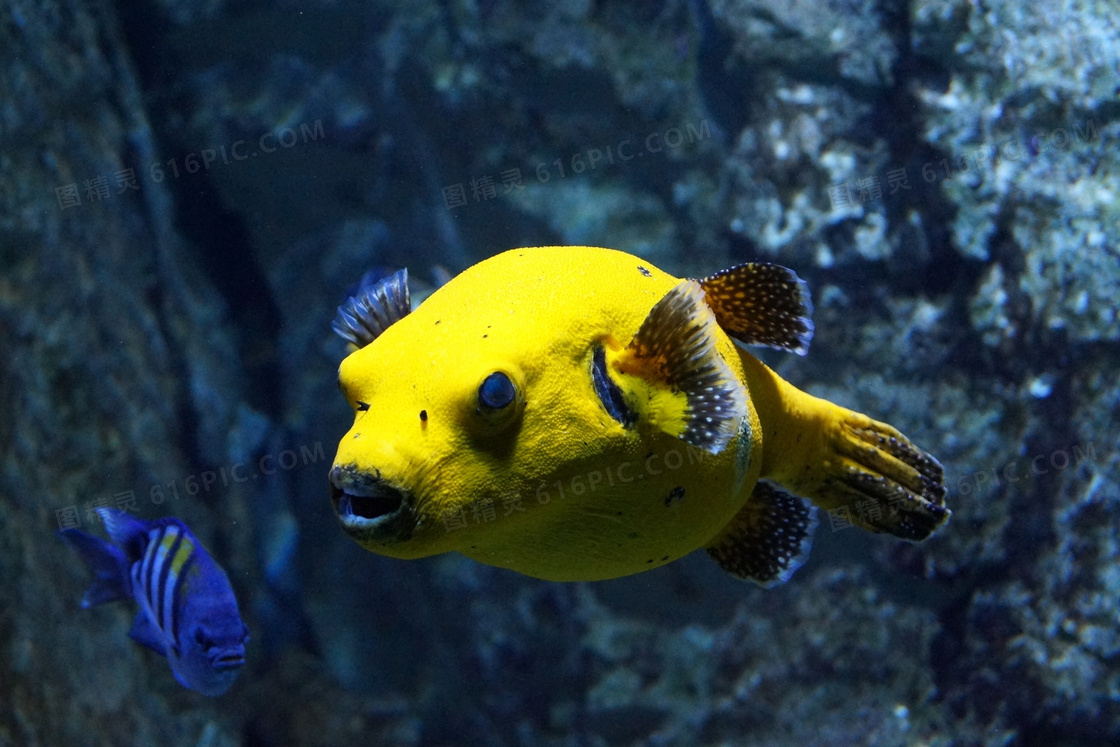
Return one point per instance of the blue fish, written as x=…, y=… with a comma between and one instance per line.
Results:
x=188, y=612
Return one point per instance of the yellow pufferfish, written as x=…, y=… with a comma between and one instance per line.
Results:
x=574, y=413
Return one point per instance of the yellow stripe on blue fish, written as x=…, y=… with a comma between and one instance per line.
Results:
x=171, y=588
x=188, y=611
x=162, y=545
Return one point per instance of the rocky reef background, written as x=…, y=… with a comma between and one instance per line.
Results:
x=188, y=189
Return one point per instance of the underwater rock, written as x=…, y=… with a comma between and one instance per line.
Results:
x=114, y=368
x=1026, y=126
x=183, y=324
x=758, y=678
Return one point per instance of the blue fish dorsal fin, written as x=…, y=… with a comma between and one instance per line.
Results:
x=676, y=348
x=123, y=528
x=146, y=634
x=373, y=309
x=760, y=303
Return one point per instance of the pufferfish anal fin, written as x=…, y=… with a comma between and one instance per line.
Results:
x=371, y=310
x=768, y=539
x=675, y=351
x=759, y=303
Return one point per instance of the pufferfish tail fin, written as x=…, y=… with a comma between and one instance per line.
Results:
x=880, y=481
x=860, y=470
x=692, y=393
x=759, y=303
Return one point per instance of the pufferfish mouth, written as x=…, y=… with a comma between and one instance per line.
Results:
x=369, y=508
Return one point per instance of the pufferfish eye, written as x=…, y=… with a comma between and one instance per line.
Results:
x=496, y=392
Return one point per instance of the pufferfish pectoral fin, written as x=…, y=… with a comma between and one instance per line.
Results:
x=759, y=303
x=371, y=310
x=695, y=393
x=768, y=539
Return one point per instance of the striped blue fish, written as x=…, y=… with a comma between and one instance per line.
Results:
x=188, y=612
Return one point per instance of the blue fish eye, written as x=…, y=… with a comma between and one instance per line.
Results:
x=496, y=392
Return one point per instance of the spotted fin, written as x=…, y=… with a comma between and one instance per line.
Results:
x=877, y=479
x=371, y=310
x=701, y=399
x=768, y=539
x=759, y=303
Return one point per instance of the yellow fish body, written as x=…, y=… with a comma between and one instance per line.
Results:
x=575, y=413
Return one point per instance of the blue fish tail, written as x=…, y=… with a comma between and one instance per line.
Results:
x=108, y=563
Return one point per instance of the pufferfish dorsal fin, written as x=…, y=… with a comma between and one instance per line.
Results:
x=371, y=310
x=676, y=348
x=768, y=539
x=759, y=303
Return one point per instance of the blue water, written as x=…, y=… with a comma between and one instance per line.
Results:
x=190, y=191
